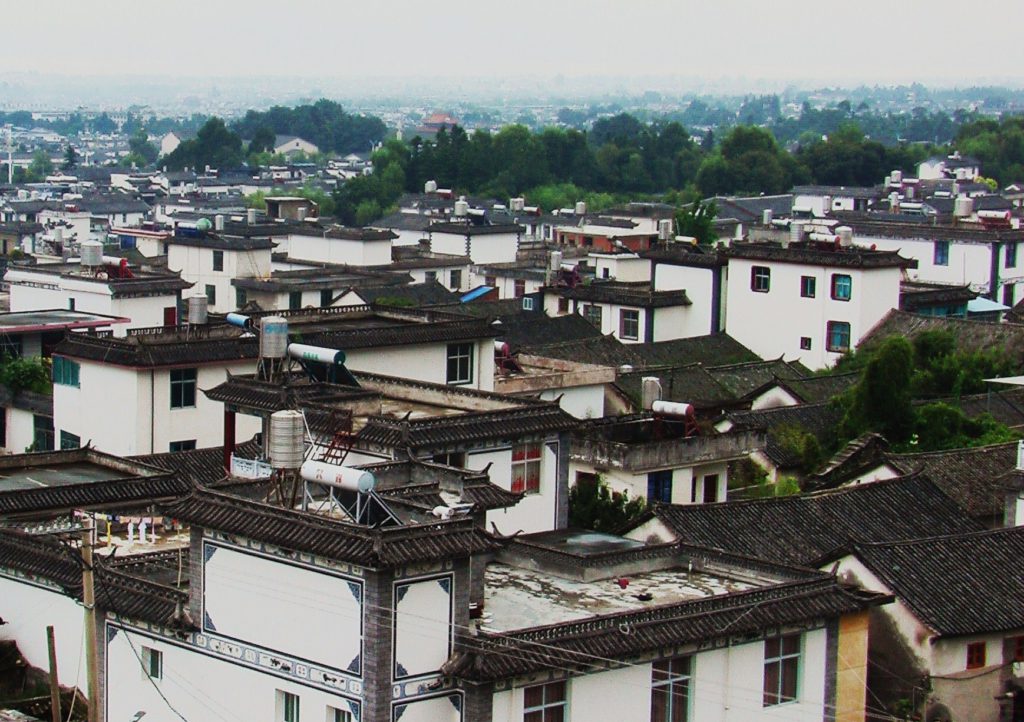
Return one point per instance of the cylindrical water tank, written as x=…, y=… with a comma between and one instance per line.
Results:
x=250, y=216
x=672, y=408
x=273, y=337
x=197, y=308
x=315, y=353
x=287, y=439
x=430, y=186
x=896, y=176
x=344, y=477
x=650, y=391
x=237, y=319
x=994, y=215
x=665, y=229
x=963, y=207
x=92, y=253
x=556, y=260
x=517, y=204
x=218, y=222
x=581, y=208
x=766, y=217
x=461, y=208
x=501, y=348
x=796, y=232
x=845, y=234
x=58, y=235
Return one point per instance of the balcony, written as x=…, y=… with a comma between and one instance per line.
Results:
x=640, y=455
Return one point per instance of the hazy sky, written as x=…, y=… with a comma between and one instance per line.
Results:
x=948, y=42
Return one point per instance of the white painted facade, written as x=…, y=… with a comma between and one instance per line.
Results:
x=196, y=264
x=28, y=607
x=32, y=291
x=690, y=484
x=322, y=249
x=127, y=411
x=774, y=323
x=620, y=266
x=423, y=362
x=726, y=685
x=699, y=284
x=481, y=248
x=536, y=511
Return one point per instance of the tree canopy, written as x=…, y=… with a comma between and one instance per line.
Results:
x=214, y=145
x=324, y=123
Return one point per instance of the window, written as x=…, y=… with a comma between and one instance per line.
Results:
x=670, y=690
x=805, y=343
x=975, y=655
x=760, y=279
x=183, y=388
x=451, y=458
x=240, y=297
x=69, y=440
x=519, y=288
x=1011, y=255
x=563, y=305
x=326, y=296
x=71, y=304
x=940, y=253
x=65, y=371
x=545, y=703
x=491, y=281
x=808, y=286
x=188, y=445
x=460, y=363
x=211, y=294
x=842, y=286
x=629, y=324
x=430, y=276
x=781, y=669
x=456, y=279
x=838, y=335
x=42, y=433
x=1008, y=294
x=588, y=241
x=710, y=488
x=1015, y=649
x=295, y=300
x=593, y=314
x=287, y=707
x=338, y=715
x=526, y=468
x=152, y=663
x=659, y=486
x=218, y=260
x=10, y=346
x=527, y=303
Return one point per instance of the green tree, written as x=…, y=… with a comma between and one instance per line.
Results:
x=592, y=505
x=40, y=167
x=140, y=147
x=263, y=139
x=214, y=145
x=881, y=399
x=70, y=158
x=698, y=221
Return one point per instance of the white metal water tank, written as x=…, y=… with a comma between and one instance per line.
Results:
x=430, y=186
x=273, y=337
x=461, y=207
x=58, y=234
x=250, y=216
x=581, y=208
x=796, y=232
x=766, y=217
x=963, y=207
x=665, y=229
x=517, y=204
x=218, y=222
x=197, y=309
x=896, y=176
x=650, y=391
x=672, y=408
x=287, y=436
x=343, y=477
x=92, y=253
x=845, y=234
x=556, y=260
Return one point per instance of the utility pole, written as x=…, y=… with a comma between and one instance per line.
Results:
x=54, y=684
x=89, y=599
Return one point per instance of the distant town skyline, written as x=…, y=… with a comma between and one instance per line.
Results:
x=830, y=43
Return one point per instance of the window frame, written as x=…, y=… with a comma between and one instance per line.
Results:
x=808, y=287
x=42, y=431
x=461, y=354
x=671, y=678
x=594, y=313
x=785, y=661
x=241, y=297
x=151, y=656
x=976, y=655
x=635, y=335
x=518, y=287
x=559, y=704
x=66, y=372
x=528, y=304
x=211, y=294
x=175, y=447
x=218, y=260
x=805, y=343
x=829, y=330
x=760, y=279
x=839, y=280
x=183, y=387
x=288, y=707
x=69, y=440
x=1010, y=259
x=712, y=487
x=940, y=257
x=455, y=279
x=336, y=714
x=527, y=460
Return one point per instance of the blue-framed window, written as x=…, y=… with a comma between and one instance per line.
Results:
x=838, y=335
x=66, y=371
x=940, y=253
x=659, y=486
x=842, y=286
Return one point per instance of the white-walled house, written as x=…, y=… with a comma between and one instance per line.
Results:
x=699, y=272
x=211, y=261
x=147, y=298
x=482, y=243
x=337, y=244
x=804, y=302
x=632, y=312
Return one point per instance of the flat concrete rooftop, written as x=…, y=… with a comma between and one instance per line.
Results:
x=50, y=475
x=54, y=319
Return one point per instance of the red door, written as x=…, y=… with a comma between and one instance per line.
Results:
x=171, y=316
